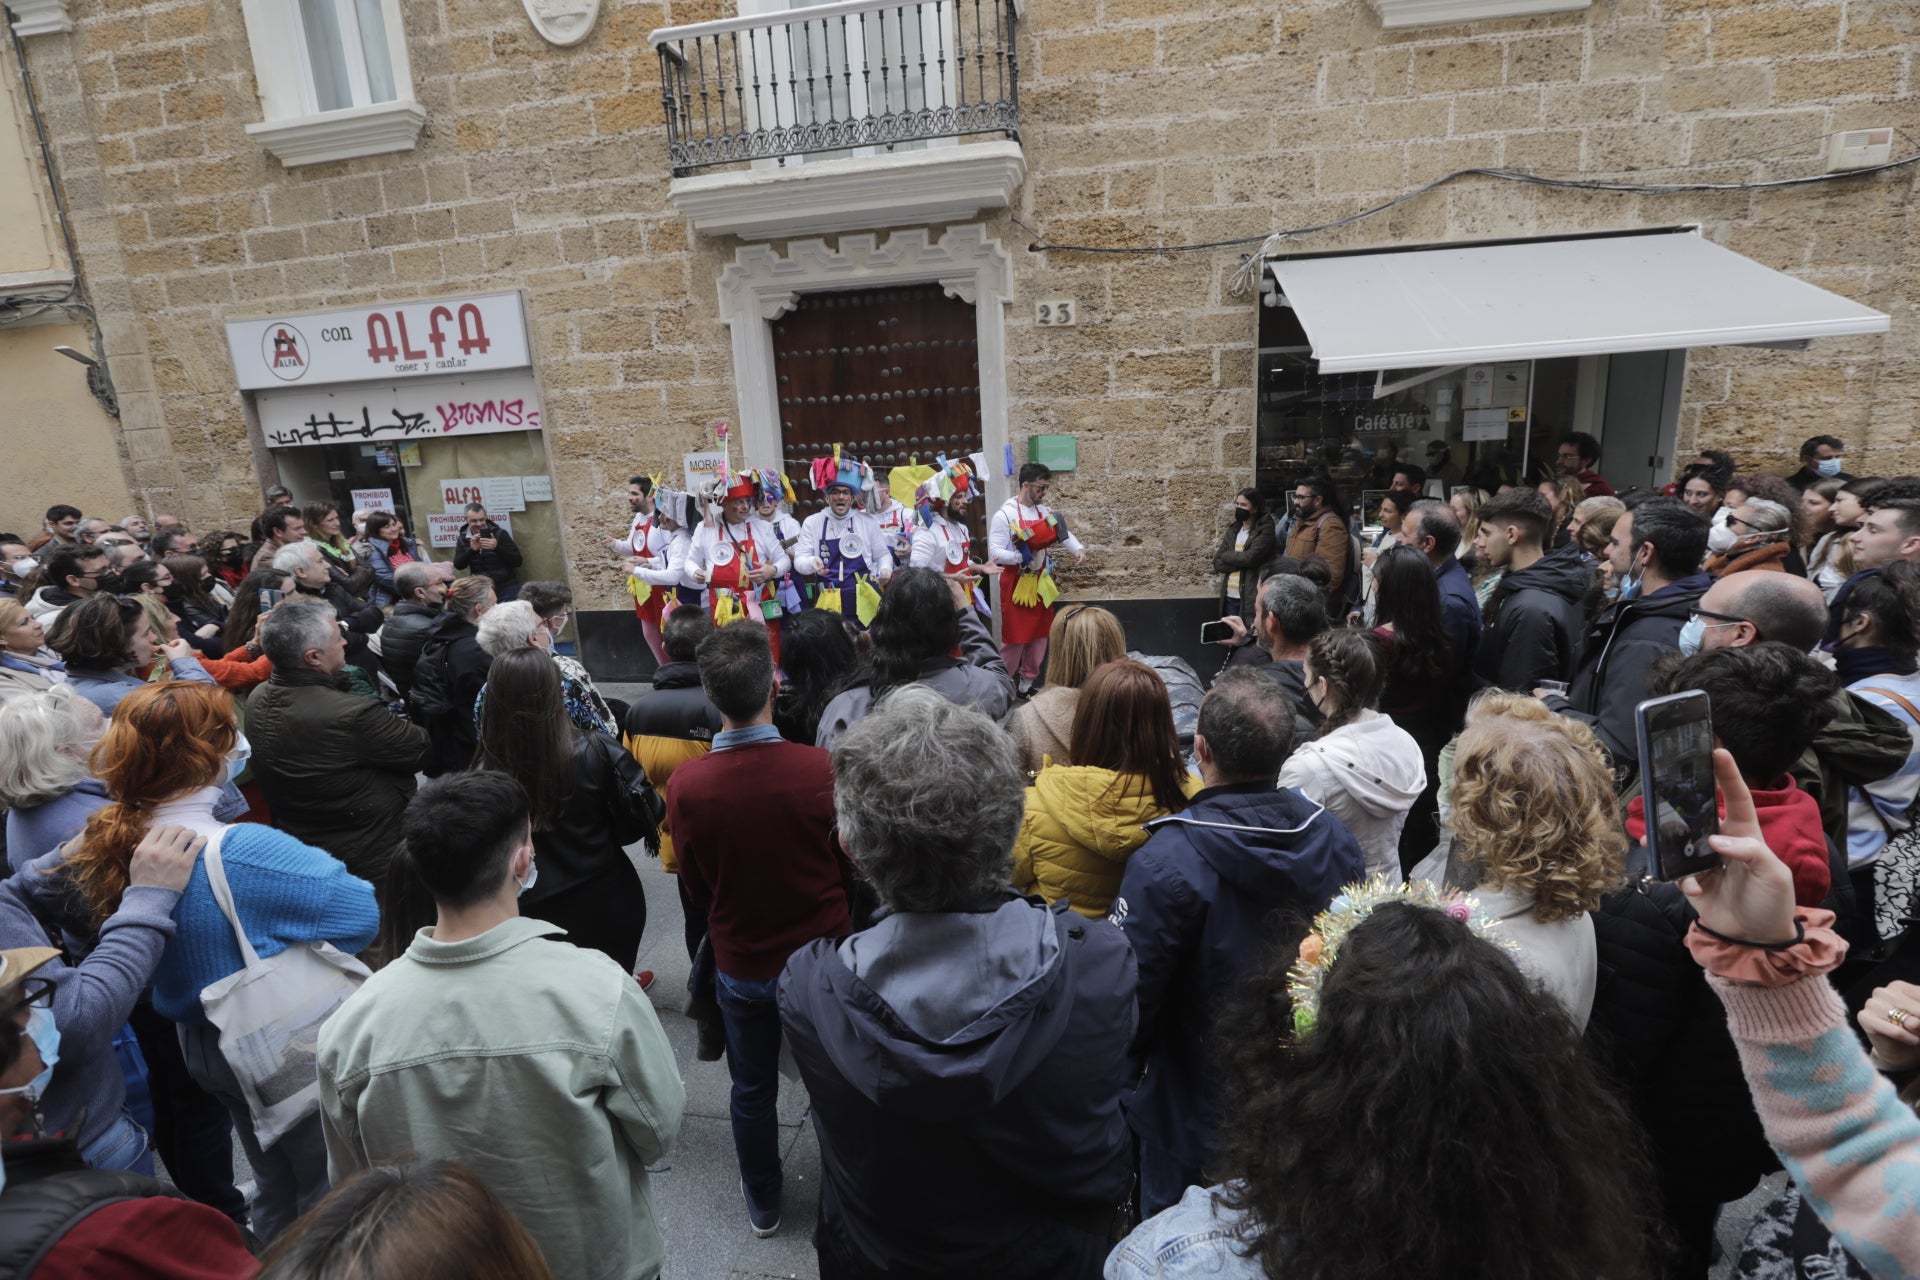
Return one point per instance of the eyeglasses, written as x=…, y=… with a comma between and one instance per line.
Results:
x=1719, y=619
x=35, y=993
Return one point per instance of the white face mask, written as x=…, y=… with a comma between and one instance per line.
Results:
x=24, y=566
x=533, y=877
x=1720, y=539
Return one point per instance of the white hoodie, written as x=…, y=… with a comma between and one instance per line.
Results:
x=1367, y=774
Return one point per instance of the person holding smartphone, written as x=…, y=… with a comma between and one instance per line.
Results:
x=485, y=548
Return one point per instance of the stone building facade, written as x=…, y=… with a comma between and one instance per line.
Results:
x=543, y=169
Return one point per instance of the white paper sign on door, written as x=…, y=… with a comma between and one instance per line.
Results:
x=536, y=488
x=1484, y=424
x=444, y=530
x=372, y=499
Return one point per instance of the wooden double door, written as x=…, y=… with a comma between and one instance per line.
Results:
x=889, y=375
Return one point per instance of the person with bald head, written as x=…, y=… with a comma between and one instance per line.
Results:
x=1748, y=608
x=1861, y=744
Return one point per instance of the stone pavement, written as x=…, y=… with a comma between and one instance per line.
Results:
x=697, y=1189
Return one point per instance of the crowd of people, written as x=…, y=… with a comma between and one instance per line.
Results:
x=1359, y=971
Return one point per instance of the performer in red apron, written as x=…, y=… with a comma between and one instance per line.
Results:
x=650, y=580
x=1024, y=536
x=729, y=553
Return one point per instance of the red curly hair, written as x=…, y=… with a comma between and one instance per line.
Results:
x=165, y=741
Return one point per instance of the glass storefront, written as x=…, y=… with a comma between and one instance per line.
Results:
x=1500, y=423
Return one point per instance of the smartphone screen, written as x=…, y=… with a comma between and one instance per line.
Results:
x=1676, y=775
x=269, y=598
x=1215, y=632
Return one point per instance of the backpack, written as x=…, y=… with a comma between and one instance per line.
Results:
x=432, y=694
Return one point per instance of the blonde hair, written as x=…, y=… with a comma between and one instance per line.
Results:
x=1593, y=522
x=1082, y=637
x=158, y=615
x=472, y=596
x=1533, y=806
x=11, y=611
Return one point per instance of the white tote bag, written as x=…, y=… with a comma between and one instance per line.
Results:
x=269, y=1015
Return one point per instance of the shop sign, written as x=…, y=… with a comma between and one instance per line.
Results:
x=427, y=410
x=495, y=493
x=444, y=530
x=381, y=343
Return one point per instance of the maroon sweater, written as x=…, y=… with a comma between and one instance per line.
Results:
x=753, y=829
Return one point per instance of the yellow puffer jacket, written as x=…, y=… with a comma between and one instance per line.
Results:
x=1078, y=832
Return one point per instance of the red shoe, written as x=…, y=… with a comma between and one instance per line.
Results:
x=645, y=979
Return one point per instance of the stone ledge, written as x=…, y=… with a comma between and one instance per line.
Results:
x=1422, y=13
x=39, y=17
x=342, y=135
x=938, y=185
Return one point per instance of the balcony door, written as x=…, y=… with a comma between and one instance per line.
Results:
x=890, y=375
x=799, y=74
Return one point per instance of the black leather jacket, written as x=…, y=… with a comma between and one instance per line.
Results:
x=592, y=832
x=401, y=639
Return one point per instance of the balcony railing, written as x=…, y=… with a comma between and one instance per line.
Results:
x=843, y=77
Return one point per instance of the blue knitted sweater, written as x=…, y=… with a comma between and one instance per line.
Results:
x=287, y=894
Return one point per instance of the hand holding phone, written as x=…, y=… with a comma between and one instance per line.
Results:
x=1677, y=783
x=1217, y=632
x=1750, y=896
x=269, y=597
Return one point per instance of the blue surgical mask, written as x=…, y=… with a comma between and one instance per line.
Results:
x=1630, y=588
x=45, y=1035
x=1691, y=636
x=1828, y=466
x=238, y=757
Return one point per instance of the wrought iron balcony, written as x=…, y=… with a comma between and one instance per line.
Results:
x=855, y=77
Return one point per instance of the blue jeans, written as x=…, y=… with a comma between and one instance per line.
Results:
x=752, y=1021
x=124, y=1146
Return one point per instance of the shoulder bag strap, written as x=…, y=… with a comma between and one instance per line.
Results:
x=1906, y=706
x=222, y=894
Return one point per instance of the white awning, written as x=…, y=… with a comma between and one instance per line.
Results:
x=1545, y=298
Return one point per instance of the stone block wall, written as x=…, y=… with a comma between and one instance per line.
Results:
x=1145, y=122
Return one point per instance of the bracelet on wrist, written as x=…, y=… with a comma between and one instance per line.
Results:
x=1799, y=936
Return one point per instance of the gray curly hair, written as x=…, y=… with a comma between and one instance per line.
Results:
x=928, y=797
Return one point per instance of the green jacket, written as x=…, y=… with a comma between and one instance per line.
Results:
x=538, y=1065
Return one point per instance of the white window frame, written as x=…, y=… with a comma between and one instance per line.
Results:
x=1429, y=13
x=294, y=129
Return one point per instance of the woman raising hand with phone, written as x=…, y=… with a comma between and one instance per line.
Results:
x=1849, y=1143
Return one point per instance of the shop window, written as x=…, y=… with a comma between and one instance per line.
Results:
x=1498, y=423
x=334, y=79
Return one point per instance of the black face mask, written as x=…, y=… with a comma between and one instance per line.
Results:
x=112, y=584
x=1241, y=515
x=233, y=556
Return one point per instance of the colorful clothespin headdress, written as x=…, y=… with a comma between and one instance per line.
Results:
x=839, y=472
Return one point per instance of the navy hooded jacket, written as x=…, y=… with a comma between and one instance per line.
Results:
x=1201, y=901
x=965, y=1071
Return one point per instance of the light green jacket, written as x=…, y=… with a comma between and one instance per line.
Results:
x=536, y=1064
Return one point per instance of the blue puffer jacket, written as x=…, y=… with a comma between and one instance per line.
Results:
x=1201, y=902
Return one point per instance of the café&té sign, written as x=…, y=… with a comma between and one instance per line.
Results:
x=384, y=342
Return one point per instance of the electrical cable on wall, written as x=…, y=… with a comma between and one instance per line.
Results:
x=1243, y=280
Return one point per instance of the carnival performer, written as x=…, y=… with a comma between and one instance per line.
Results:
x=650, y=579
x=943, y=541
x=777, y=511
x=1024, y=536
x=844, y=548
x=737, y=556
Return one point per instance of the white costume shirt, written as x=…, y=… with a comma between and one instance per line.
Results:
x=708, y=535
x=935, y=546
x=824, y=526
x=898, y=523
x=654, y=547
x=1012, y=513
